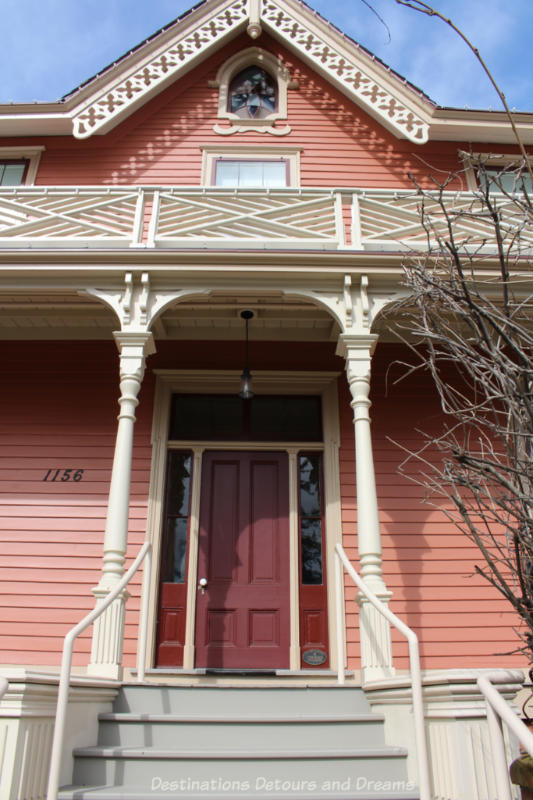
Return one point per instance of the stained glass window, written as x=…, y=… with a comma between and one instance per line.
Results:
x=253, y=94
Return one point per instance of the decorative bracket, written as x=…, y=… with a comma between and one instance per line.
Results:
x=136, y=304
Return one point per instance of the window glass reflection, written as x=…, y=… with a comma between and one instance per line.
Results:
x=311, y=529
x=177, y=517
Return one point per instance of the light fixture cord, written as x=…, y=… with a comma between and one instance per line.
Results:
x=246, y=352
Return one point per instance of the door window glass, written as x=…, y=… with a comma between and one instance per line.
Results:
x=177, y=517
x=311, y=525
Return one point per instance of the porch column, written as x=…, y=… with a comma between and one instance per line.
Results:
x=107, y=642
x=376, y=651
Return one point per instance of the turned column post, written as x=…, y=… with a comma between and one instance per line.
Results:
x=376, y=650
x=107, y=642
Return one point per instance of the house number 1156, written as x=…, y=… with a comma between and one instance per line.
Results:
x=64, y=475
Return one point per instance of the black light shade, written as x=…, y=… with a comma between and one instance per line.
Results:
x=246, y=392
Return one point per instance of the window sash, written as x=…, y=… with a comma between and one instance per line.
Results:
x=251, y=173
x=12, y=172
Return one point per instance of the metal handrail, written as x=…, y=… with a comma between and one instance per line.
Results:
x=66, y=663
x=414, y=664
x=498, y=711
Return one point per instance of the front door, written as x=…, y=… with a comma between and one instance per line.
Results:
x=242, y=611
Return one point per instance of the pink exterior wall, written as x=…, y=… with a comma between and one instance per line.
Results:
x=52, y=532
x=428, y=564
x=160, y=144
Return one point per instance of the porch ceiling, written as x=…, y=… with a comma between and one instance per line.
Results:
x=68, y=315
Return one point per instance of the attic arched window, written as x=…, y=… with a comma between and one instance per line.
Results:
x=253, y=94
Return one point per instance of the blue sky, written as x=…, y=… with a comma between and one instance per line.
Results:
x=51, y=46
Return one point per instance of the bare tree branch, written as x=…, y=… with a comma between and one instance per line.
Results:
x=468, y=321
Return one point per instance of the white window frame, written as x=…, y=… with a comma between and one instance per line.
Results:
x=31, y=154
x=497, y=161
x=212, y=154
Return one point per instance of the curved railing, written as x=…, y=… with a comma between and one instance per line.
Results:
x=498, y=711
x=414, y=664
x=66, y=664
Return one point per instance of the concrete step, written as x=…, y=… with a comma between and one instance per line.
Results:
x=149, y=730
x=355, y=790
x=157, y=771
x=240, y=742
x=228, y=700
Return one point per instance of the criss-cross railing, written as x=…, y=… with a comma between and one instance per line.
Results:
x=215, y=217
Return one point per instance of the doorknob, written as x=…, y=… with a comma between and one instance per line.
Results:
x=202, y=584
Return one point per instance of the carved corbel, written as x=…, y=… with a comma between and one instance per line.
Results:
x=136, y=303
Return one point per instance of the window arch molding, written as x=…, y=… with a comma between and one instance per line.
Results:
x=252, y=56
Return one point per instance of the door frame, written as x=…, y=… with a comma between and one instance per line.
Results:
x=170, y=382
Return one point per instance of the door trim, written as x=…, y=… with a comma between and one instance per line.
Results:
x=227, y=382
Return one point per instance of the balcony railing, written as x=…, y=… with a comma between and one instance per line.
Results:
x=192, y=218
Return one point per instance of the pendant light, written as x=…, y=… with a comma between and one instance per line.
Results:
x=246, y=392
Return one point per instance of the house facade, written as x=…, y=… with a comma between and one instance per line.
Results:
x=235, y=194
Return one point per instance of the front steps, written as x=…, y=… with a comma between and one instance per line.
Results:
x=240, y=742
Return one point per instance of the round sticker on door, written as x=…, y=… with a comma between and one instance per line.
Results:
x=315, y=657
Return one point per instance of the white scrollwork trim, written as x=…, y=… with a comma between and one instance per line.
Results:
x=347, y=72
x=269, y=128
x=157, y=71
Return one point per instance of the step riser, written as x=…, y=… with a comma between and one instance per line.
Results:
x=227, y=701
x=259, y=736
x=155, y=777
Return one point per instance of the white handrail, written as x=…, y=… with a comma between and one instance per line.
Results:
x=3, y=687
x=414, y=663
x=143, y=621
x=498, y=711
x=66, y=663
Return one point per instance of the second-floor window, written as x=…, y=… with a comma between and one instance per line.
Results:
x=12, y=172
x=248, y=173
x=510, y=182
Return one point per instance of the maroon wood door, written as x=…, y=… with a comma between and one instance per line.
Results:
x=242, y=616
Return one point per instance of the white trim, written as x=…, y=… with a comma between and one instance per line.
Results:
x=212, y=153
x=226, y=382
x=31, y=154
x=489, y=160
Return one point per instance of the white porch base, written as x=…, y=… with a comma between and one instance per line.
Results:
x=456, y=723
x=455, y=714
x=27, y=714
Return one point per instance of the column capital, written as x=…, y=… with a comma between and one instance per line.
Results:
x=134, y=349
x=353, y=346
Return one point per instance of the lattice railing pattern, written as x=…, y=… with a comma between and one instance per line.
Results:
x=159, y=217
x=244, y=218
x=60, y=215
x=385, y=220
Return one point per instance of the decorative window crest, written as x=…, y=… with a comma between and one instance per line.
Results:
x=253, y=93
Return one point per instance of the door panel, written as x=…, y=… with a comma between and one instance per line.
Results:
x=243, y=616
